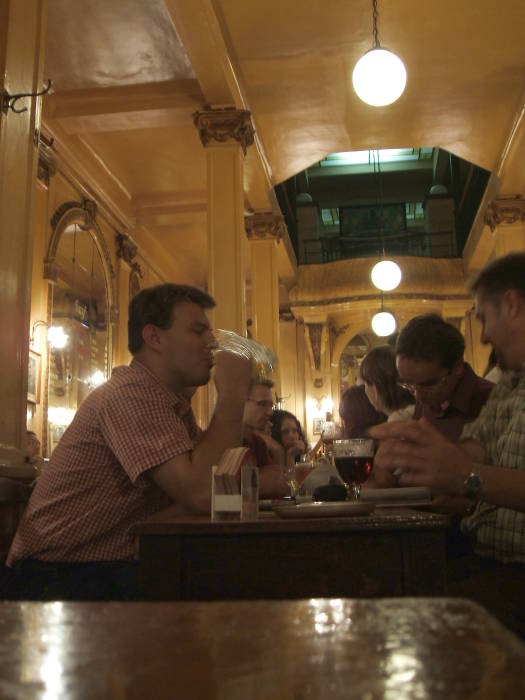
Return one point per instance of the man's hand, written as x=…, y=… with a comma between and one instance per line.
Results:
x=419, y=455
x=297, y=449
x=232, y=374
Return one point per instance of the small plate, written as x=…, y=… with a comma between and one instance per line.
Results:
x=325, y=509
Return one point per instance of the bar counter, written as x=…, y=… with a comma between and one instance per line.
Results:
x=430, y=649
x=390, y=552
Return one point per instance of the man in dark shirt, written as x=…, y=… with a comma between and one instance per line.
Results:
x=429, y=358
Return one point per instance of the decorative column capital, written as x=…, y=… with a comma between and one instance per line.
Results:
x=126, y=248
x=223, y=125
x=505, y=211
x=264, y=226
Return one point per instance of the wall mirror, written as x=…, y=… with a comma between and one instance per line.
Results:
x=81, y=306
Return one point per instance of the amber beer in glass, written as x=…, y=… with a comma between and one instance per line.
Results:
x=354, y=460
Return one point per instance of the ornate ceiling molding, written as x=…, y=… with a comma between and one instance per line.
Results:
x=264, y=226
x=224, y=125
x=505, y=211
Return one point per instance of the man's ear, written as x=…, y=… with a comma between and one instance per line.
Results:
x=151, y=336
x=512, y=303
x=458, y=368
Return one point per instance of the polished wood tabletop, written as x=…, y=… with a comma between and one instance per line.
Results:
x=287, y=650
x=269, y=522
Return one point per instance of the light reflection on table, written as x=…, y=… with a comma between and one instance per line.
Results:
x=391, y=648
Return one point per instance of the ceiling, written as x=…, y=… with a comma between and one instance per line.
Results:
x=129, y=74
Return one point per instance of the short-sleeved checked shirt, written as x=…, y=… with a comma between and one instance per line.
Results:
x=94, y=488
x=500, y=429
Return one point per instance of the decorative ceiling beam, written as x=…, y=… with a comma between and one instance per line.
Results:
x=125, y=107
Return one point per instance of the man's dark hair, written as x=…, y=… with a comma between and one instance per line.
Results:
x=155, y=305
x=500, y=275
x=430, y=337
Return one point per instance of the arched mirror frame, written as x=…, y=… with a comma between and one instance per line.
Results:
x=83, y=214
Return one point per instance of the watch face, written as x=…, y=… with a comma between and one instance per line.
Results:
x=472, y=485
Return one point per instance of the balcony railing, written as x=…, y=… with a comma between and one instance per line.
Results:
x=438, y=244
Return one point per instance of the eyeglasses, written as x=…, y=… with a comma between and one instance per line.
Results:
x=425, y=387
x=264, y=404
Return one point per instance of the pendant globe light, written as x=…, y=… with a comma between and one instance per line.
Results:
x=383, y=323
x=386, y=275
x=379, y=77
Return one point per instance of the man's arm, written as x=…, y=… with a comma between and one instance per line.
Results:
x=187, y=478
x=419, y=455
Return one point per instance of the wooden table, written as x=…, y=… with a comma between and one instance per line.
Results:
x=430, y=649
x=391, y=552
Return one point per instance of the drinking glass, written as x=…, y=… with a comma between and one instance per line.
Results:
x=331, y=431
x=264, y=360
x=296, y=474
x=354, y=460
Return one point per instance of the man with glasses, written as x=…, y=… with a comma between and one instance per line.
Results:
x=429, y=359
x=257, y=414
x=488, y=464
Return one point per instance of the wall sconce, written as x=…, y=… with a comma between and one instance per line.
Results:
x=320, y=406
x=8, y=101
x=55, y=335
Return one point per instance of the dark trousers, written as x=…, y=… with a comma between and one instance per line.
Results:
x=32, y=579
x=500, y=588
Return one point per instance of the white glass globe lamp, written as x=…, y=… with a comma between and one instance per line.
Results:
x=379, y=77
x=383, y=324
x=386, y=275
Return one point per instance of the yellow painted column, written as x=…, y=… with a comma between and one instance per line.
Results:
x=264, y=233
x=226, y=134
x=22, y=36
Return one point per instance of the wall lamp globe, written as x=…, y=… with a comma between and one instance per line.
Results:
x=56, y=337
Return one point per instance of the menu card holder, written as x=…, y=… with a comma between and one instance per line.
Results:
x=235, y=487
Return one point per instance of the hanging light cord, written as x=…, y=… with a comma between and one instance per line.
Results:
x=379, y=186
x=376, y=38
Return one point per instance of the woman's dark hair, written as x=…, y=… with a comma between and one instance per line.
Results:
x=155, y=305
x=378, y=368
x=357, y=412
x=278, y=416
x=430, y=337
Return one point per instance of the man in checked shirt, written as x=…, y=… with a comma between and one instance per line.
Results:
x=132, y=449
x=488, y=464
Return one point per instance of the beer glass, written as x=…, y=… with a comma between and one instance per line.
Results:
x=263, y=359
x=354, y=460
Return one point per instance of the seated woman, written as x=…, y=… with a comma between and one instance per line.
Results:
x=379, y=374
x=357, y=412
x=287, y=431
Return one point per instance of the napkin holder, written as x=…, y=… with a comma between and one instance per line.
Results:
x=235, y=487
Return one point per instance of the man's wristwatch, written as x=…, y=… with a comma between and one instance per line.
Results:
x=472, y=486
